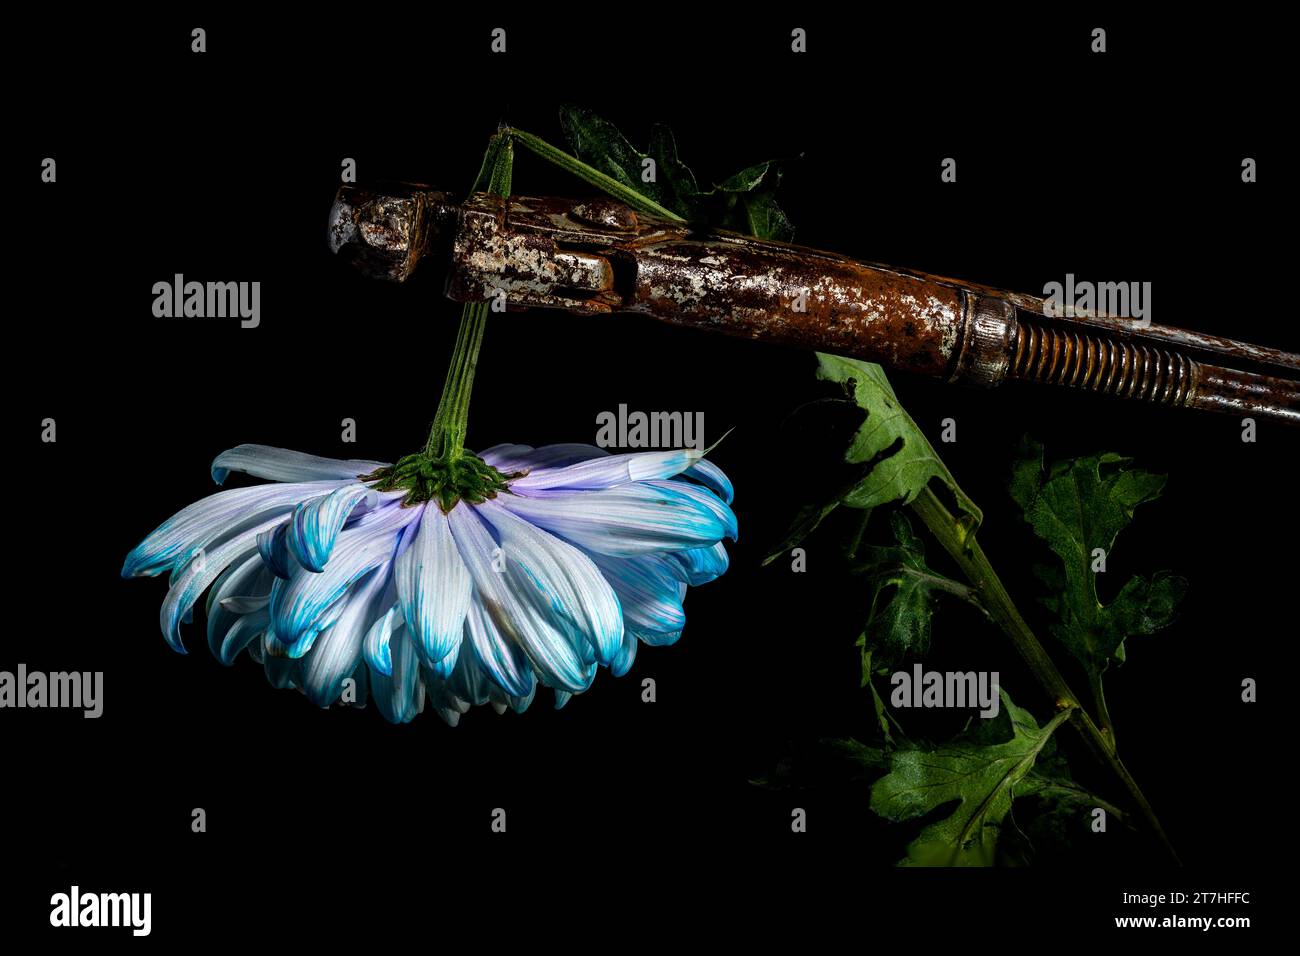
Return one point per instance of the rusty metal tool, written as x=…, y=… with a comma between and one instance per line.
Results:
x=599, y=256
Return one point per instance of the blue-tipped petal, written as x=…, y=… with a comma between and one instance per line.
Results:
x=244, y=631
x=316, y=523
x=338, y=650
x=648, y=591
x=544, y=634
x=623, y=521
x=658, y=638
x=246, y=574
x=433, y=586
x=707, y=499
x=171, y=545
x=198, y=574
x=712, y=477
x=281, y=464
x=377, y=644
x=303, y=645
x=298, y=606
x=399, y=696
x=560, y=584
x=445, y=667
x=622, y=663
x=699, y=565
x=520, y=704
x=502, y=662
x=273, y=546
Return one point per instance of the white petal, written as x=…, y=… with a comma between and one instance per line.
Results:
x=433, y=586
x=282, y=464
x=560, y=581
x=338, y=650
x=625, y=520
x=520, y=614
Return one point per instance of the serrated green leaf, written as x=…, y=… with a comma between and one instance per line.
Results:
x=675, y=177
x=759, y=215
x=904, y=591
x=751, y=178
x=869, y=671
x=981, y=778
x=903, y=460
x=744, y=202
x=1076, y=506
x=598, y=143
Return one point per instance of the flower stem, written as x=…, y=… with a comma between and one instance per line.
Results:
x=446, y=440
x=451, y=422
x=966, y=551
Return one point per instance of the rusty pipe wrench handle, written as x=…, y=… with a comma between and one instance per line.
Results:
x=599, y=256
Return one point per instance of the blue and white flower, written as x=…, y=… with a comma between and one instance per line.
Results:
x=336, y=585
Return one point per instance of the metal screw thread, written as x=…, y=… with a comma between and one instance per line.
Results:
x=1099, y=363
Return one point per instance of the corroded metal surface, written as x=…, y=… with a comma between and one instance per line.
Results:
x=780, y=294
x=385, y=230
x=599, y=256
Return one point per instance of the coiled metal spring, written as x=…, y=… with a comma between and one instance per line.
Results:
x=1099, y=363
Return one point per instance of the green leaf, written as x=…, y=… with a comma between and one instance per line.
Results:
x=904, y=590
x=597, y=142
x=761, y=216
x=884, y=719
x=749, y=203
x=744, y=202
x=901, y=458
x=981, y=777
x=1056, y=813
x=1077, y=506
x=675, y=177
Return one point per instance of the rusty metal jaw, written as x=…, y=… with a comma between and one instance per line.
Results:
x=529, y=258
x=385, y=230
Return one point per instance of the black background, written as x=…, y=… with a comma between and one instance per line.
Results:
x=222, y=166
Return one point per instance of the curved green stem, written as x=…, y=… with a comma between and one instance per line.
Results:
x=966, y=551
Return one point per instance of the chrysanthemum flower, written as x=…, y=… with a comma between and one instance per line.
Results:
x=460, y=584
